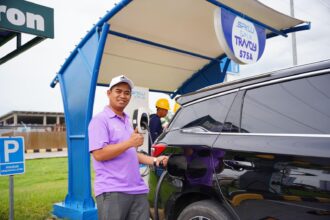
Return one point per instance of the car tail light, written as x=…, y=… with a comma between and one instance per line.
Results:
x=158, y=149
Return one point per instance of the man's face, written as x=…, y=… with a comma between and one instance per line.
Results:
x=119, y=96
x=162, y=112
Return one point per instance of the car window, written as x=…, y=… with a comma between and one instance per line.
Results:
x=204, y=116
x=233, y=119
x=300, y=106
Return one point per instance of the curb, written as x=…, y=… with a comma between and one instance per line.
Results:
x=45, y=150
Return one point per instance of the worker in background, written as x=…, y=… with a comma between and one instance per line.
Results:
x=155, y=124
x=176, y=107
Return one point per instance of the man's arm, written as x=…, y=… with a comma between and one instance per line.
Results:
x=113, y=150
x=145, y=159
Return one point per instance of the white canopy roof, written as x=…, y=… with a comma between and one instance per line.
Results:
x=182, y=24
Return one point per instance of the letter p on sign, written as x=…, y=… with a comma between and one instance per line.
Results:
x=10, y=146
x=12, y=159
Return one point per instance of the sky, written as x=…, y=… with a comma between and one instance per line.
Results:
x=25, y=80
x=312, y=45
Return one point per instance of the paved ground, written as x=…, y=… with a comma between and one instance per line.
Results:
x=29, y=156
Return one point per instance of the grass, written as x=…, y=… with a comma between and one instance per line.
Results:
x=43, y=184
x=165, y=191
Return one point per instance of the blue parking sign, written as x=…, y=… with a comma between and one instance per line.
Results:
x=12, y=159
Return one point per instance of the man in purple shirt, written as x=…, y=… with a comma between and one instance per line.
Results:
x=120, y=191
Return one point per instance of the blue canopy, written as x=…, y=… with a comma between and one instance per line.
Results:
x=163, y=45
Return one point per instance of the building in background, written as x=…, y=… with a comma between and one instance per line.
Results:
x=28, y=120
x=41, y=130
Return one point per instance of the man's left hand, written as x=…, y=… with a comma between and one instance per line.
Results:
x=162, y=160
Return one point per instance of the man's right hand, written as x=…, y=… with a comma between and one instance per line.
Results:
x=136, y=139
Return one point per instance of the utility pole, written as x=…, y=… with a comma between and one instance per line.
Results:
x=294, y=43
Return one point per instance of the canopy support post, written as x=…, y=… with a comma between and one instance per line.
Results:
x=78, y=81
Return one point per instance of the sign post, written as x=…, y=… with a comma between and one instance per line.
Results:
x=11, y=197
x=12, y=162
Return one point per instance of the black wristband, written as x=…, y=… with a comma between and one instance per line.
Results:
x=155, y=162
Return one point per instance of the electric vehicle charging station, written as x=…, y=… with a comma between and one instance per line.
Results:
x=141, y=120
x=165, y=45
x=137, y=107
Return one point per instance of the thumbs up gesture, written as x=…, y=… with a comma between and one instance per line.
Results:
x=136, y=139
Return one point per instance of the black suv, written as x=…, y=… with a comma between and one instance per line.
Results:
x=257, y=148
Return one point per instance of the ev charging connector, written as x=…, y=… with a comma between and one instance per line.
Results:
x=140, y=120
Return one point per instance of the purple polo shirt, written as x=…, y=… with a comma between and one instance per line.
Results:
x=122, y=173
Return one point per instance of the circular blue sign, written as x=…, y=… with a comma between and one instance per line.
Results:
x=242, y=41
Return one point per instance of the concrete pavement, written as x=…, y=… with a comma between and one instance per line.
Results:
x=29, y=156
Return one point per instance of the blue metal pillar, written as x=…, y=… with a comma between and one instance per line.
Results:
x=78, y=78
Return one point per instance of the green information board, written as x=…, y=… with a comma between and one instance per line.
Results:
x=27, y=17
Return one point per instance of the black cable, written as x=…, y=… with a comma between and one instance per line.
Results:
x=159, y=183
x=149, y=136
x=221, y=193
x=156, y=214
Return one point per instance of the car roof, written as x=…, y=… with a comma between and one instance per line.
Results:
x=223, y=87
